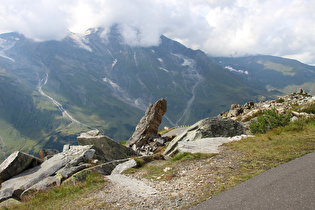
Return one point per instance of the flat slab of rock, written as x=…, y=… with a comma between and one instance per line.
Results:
x=106, y=149
x=206, y=128
x=15, y=186
x=206, y=145
x=149, y=124
x=16, y=163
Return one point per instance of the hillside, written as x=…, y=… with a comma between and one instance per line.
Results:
x=273, y=73
x=91, y=81
x=53, y=90
x=187, y=179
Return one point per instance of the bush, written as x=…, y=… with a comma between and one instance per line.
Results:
x=280, y=100
x=310, y=109
x=269, y=121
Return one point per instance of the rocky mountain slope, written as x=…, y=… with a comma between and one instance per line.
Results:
x=23, y=174
x=272, y=73
x=51, y=91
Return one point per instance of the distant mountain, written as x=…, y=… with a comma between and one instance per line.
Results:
x=51, y=91
x=272, y=73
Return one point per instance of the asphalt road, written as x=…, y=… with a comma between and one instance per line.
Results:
x=288, y=186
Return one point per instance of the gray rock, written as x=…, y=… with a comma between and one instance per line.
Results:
x=15, y=186
x=41, y=186
x=124, y=166
x=66, y=147
x=45, y=154
x=107, y=168
x=106, y=149
x=149, y=124
x=16, y=163
x=206, y=128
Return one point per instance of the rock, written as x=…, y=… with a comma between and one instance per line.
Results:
x=9, y=203
x=149, y=124
x=66, y=147
x=16, y=163
x=107, y=168
x=124, y=166
x=41, y=186
x=45, y=154
x=78, y=177
x=206, y=128
x=68, y=171
x=106, y=149
x=15, y=186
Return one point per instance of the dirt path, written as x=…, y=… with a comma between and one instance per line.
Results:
x=136, y=186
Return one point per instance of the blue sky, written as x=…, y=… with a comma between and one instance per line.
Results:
x=218, y=27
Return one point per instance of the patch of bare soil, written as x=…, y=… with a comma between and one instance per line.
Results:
x=191, y=182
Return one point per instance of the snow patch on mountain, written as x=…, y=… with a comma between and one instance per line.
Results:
x=113, y=84
x=164, y=69
x=81, y=41
x=4, y=46
x=235, y=70
x=114, y=63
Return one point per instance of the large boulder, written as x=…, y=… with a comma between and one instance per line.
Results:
x=74, y=157
x=106, y=149
x=206, y=128
x=148, y=125
x=16, y=163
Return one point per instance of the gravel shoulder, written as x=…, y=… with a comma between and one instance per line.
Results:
x=182, y=189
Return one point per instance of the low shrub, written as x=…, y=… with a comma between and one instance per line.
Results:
x=271, y=119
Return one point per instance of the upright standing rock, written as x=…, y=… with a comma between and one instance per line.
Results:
x=149, y=124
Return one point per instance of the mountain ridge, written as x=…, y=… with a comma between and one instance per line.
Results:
x=106, y=84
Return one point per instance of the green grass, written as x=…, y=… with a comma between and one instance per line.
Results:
x=253, y=156
x=60, y=197
x=263, y=152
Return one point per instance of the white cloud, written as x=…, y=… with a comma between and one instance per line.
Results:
x=218, y=27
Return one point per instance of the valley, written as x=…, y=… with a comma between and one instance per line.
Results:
x=52, y=91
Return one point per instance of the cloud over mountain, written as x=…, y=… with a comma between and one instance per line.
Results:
x=218, y=27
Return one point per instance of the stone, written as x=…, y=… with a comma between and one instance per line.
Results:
x=15, y=186
x=45, y=154
x=16, y=163
x=68, y=171
x=107, y=168
x=206, y=128
x=43, y=185
x=106, y=149
x=124, y=166
x=66, y=147
x=9, y=203
x=149, y=124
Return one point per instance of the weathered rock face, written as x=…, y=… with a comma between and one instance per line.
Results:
x=106, y=149
x=148, y=125
x=45, y=154
x=60, y=166
x=16, y=163
x=206, y=128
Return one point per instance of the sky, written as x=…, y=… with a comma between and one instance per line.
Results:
x=234, y=28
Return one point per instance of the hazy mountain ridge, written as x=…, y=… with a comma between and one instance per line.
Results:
x=272, y=73
x=106, y=84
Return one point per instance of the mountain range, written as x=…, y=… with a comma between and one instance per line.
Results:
x=51, y=91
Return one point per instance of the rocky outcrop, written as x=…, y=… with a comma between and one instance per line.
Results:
x=249, y=111
x=16, y=163
x=60, y=166
x=206, y=128
x=148, y=125
x=106, y=149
